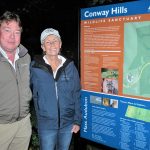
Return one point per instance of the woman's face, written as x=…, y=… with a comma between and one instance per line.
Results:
x=52, y=45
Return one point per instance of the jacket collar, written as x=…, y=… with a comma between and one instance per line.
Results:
x=39, y=59
x=40, y=63
x=22, y=52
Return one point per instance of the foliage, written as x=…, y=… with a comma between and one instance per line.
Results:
x=34, y=143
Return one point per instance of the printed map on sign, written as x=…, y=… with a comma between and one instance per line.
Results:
x=136, y=76
x=138, y=113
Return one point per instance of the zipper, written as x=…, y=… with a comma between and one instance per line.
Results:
x=57, y=103
x=18, y=91
x=14, y=72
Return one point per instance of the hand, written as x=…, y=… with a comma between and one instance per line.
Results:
x=75, y=128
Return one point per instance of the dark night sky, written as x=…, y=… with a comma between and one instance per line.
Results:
x=36, y=15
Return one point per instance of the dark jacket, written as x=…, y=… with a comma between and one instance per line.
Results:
x=57, y=101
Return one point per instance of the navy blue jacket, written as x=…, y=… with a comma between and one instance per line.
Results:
x=57, y=101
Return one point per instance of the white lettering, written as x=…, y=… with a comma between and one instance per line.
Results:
x=89, y=14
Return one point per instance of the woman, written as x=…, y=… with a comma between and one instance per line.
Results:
x=56, y=93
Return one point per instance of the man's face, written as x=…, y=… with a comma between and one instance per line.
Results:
x=10, y=35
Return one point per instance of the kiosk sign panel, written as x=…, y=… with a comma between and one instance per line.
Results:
x=115, y=74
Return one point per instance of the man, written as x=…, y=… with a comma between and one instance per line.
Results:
x=15, y=94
